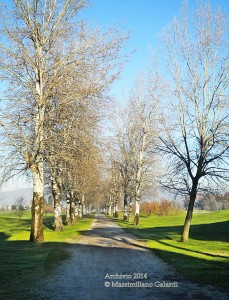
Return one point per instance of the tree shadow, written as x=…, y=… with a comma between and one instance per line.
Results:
x=203, y=232
x=4, y=236
x=48, y=221
x=212, y=272
x=210, y=232
x=114, y=234
x=23, y=263
x=194, y=251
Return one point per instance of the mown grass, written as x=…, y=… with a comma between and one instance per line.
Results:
x=205, y=258
x=23, y=262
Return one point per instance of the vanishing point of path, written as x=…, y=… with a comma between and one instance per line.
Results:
x=107, y=250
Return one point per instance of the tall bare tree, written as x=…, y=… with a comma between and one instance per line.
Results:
x=133, y=142
x=195, y=137
x=142, y=118
x=41, y=42
x=81, y=156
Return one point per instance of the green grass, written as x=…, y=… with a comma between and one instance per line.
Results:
x=205, y=258
x=23, y=262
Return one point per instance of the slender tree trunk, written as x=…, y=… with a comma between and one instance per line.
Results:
x=68, y=208
x=109, y=209
x=56, y=192
x=130, y=206
x=137, y=211
x=77, y=210
x=139, y=178
x=110, y=206
x=82, y=207
x=72, y=212
x=80, y=210
x=37, y=166
x=36, y=234
x=125, y=213
x=115, y=211
x=137, y=204
x=84, y=210
x=188, y=219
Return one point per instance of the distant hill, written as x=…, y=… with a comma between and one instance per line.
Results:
x=9, y=197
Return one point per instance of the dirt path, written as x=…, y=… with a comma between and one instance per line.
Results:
x=104, y=254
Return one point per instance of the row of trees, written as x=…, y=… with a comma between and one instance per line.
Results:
x=133, y=164
x=55, y=73
x=177, y=117
x=210, y=202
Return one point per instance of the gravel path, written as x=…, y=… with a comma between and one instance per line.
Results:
x=108, y=263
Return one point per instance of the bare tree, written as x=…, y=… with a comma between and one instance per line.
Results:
x=40, y=46
x=195, y=129
x=19, y=204
x=143, y=118
x=81, y=160
x=133, y=143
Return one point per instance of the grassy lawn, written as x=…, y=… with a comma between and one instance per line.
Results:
x=22, y=262
x=205, y=258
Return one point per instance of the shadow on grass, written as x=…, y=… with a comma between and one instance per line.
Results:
x=193, y=251
x=23, y=263
x=48, y=221
x=211, y=232
x=204, y=232
x=12, y=222
x=211, y=272
x=4, y=236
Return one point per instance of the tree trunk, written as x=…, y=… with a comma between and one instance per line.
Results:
x=80, y=210
x=115, y=211
x=109, y=209
x=77, y=210
x=72, y=212
x=137, y=212
x=36, y=234
x=68, y=208
x=130, y=210
x=125, y=213
x=37, y=165
x=188, y=219
x=82, y=207
x=110, y=206
x=139, y=173
x=137, y=203
x=56, y=192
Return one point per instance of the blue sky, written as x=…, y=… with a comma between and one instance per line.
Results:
x=145, y=19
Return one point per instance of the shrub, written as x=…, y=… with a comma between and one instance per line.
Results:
x=161, y=208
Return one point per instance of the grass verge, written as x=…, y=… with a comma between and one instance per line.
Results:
x=22, y=263
x=205, y=258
